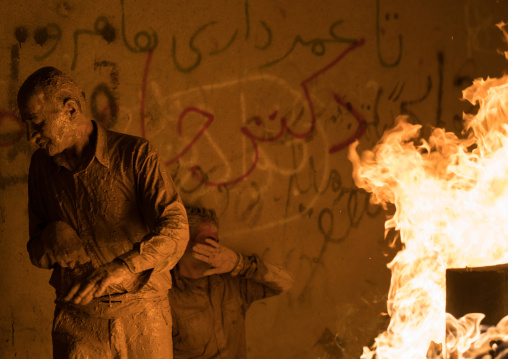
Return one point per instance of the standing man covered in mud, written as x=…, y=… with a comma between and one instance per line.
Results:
x=106, y=217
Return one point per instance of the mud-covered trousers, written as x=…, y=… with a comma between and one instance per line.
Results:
x=144, y=335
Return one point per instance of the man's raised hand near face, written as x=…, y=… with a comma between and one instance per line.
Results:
x=222, y=259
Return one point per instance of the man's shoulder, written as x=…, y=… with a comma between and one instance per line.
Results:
x=118, y=141
x=120, y=136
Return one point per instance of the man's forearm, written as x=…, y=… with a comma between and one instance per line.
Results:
x=159, y=251
x=252, y=267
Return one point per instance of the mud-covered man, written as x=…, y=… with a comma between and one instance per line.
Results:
x=106, y=217
x=213, y=288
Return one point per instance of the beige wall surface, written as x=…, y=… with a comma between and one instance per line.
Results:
x=252, y=105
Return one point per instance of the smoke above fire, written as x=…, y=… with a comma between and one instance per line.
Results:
x=451, y=211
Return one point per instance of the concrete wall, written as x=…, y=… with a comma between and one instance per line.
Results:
x=252, y=105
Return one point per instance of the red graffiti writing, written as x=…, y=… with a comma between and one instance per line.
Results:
x=184, y=113
x=284, y=128
x=360, y=130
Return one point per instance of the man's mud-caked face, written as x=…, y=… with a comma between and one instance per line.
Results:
x=203, y=231
x=49, y=125
x=199, y=234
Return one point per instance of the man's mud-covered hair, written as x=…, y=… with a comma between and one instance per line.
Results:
x=55, y=85
x=197, y=215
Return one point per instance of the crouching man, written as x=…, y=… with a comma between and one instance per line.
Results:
x=212, y=289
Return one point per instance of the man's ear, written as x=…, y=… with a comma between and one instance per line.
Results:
x=71, y=106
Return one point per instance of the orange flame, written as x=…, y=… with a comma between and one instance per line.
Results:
x=451, y=202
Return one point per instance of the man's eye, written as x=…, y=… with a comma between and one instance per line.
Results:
x=37, y=122
x=38, y=125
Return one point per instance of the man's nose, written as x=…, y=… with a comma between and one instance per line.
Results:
x=31, y=132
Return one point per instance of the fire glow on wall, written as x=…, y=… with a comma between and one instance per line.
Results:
x=451, y=200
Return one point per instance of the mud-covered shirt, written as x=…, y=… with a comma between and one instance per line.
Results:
x=122, y=204
x=209, y=312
